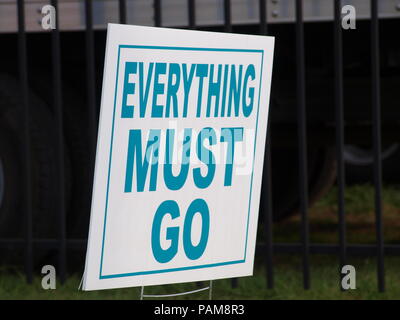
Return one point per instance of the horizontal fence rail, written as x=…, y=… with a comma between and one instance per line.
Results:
x=368, y=250
x=267, y=247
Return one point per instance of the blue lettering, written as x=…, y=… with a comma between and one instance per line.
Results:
x=164, y=255
x=142, y=164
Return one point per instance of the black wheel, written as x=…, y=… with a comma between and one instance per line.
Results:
x=360, y=162
x=77, y=150
x=285, y=178
x=43, y=167
x=2, y=184
x=10, y=174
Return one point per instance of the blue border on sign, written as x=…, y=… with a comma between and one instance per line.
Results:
x=129, y=274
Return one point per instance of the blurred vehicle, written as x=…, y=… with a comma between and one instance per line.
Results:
x=318, y=16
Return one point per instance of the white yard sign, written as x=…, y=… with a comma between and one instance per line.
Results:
x=179, y=157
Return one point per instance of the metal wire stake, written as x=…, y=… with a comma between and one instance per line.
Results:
x=142, y=295
x=141, y=292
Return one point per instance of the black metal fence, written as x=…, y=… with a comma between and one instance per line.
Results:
x=305, y=247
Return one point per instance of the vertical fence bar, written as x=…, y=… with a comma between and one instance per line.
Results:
x=227, y=16
x=301, y=119
x=90, y=78
x=122, y=11
x=376, y=119
x=263, y=17
x=58, y=111
x=157, y=13
x=339, y=117
x=192, y=14
x=266, y=190
x=23, y=78
x=228, y=28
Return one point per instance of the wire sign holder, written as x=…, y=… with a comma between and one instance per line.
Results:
x=209, y=287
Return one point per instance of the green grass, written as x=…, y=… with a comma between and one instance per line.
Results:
x=288, y=284
x=360, y=217
x=287, y=268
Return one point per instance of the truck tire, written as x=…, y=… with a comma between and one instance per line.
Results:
x=77, y=147
x=285, y=178
x=43, y=167
x=360, y=164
